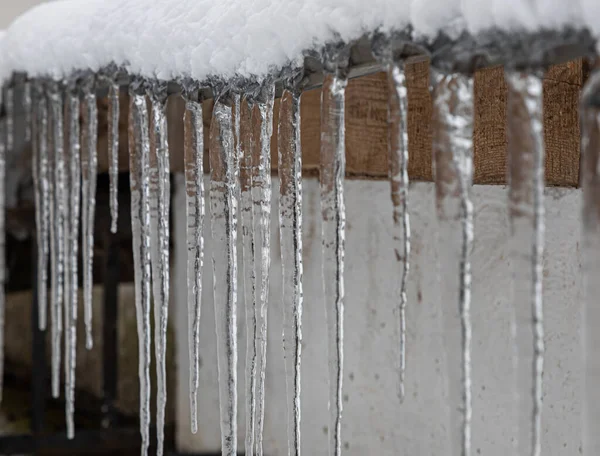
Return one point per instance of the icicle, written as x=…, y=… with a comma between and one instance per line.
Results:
x=89, y=171
x=57, y=223
x=194, y=184
x=160, y=194
x=453, y=149
x=247, y=229
x=27, y=108
x=526, y=211
x=9, y=106
x=290, y=222
x=139, y=152
x=3, y=149
x=590, y=180
x=113, y=153
x=42, y=196
x=224, y=234
x=72, y=203
x=332, y=173
x=398, y=143
x=261, y=197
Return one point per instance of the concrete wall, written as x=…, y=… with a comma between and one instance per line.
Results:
x=374, y=422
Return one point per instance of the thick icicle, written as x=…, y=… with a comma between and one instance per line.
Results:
x=247, y=229
x=139, y=154
x=42, y=198
x=261, y=197
x=333, y=210
x=89, y=171
x=57, y=224
x=2, y=249
x=590, y=180
x=398, y=143
x=72, y=204
x=113, y=153
x=290, y=222
x=223, y=206
x=453, y=156
x=194, y=185
x=160, y=194
x=526, y=213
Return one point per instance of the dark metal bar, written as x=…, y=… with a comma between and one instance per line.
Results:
x=38, y=357
x=110, y=332
x=85, y=442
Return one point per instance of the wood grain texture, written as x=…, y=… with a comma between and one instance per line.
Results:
x=366, y=126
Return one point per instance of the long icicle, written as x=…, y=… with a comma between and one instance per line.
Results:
x=590, y=180
x=398, y=143
x=526, y=212
x=160, y=194
x=3, y=274
x=247, y=230
x=89, y=171
x=194, y=185
x=453, y=155
x=72, y=202
x=261, y=195
x=113, y=153
x=57, y=217
x=139, y=153
x=42, y=195
x=333, y=211
x=290, y=222
x=224, y=231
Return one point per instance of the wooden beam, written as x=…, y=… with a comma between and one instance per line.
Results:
x=366, y=126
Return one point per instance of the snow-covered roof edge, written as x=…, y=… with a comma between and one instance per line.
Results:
x=175, y=39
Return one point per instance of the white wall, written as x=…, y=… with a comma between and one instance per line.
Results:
x=10, y=9
x=374, y=422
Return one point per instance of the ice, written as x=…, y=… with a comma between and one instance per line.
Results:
x=41, y=194
x=398, y=143
x=160, y=194
x=590, y=180
x=332, y=173
x=290, y=229
x=72, y=159
x=526, y=213
x=57, y=225
x=89, y=171
x=452, y=151
x=247, y=229
x=261, y=197
x=194, y=184
x=113, y=153
x=139, y=146
x=27, y=106
x=223, y=207
x=9, y=107
x=3, y=149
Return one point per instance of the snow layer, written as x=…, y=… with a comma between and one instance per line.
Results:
x=197, y=38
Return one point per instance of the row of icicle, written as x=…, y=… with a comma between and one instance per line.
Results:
x=64, y=167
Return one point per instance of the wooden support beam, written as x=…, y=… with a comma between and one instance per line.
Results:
x=366, y=126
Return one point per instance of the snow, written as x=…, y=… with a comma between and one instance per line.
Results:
x=169, y=39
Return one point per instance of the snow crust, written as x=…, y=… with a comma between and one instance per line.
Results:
x=168, y=39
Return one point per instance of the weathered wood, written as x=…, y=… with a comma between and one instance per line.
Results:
x=366, y=126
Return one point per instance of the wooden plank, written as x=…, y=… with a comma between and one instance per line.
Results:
x=562, y=88
x=367, y=134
